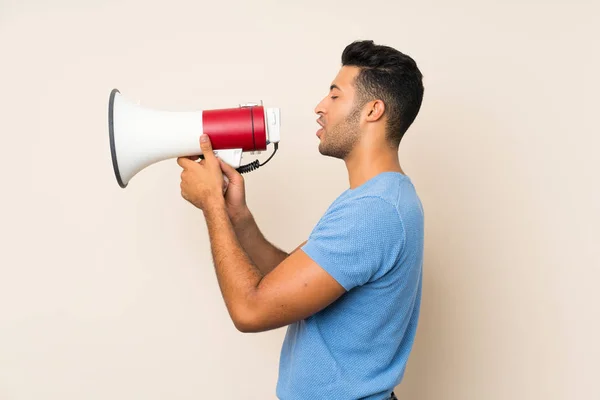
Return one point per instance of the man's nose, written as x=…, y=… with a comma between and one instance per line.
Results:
x=319, y=109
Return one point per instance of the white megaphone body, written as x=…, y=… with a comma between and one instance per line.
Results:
x=140, y=137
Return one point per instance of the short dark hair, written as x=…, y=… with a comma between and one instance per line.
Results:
x=391, y=76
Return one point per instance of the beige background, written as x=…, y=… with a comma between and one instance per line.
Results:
x=110, y=294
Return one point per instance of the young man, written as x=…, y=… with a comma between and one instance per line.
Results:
x=349, y=295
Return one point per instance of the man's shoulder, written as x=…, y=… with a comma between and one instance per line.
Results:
x=389, y=197
x=380, y=195
x=364, y=206
x=362, y=233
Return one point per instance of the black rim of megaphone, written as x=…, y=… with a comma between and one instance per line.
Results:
x=111, y=132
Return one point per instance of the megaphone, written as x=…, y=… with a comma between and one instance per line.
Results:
x=140, y=136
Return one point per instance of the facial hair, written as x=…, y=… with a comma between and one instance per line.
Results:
x=339, y=140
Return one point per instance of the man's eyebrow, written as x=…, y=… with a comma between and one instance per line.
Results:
x=334, y=86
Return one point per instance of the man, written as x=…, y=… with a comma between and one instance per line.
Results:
x=350, y=294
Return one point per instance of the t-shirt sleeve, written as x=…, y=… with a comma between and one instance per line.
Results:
x=355, y=240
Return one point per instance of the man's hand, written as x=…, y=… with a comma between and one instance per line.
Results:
x=202, y=182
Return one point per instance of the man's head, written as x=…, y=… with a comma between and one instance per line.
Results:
x=378, y=88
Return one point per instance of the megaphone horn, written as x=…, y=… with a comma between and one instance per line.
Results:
x=140, y=136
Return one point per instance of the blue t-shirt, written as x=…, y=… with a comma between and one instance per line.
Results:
x=371, y=241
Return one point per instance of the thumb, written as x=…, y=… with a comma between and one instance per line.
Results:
x=206, y=147
x=232, y=175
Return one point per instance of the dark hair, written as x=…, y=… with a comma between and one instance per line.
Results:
x=388, y=75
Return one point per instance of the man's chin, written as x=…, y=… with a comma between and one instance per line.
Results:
x=322, y=148
x=327, y=152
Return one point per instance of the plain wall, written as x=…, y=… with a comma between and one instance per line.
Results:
x=108, y=293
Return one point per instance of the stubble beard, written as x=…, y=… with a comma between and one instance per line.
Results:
x=339, y=141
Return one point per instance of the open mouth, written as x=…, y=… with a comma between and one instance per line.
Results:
x=320, y=131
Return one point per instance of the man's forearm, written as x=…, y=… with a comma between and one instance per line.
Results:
x=237, y=275
x=263, y=254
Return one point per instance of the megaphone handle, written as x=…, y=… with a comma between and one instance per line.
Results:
x=232, y=157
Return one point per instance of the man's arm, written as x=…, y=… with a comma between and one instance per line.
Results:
x=263, y=254
x=256, y=302
x=294, y=289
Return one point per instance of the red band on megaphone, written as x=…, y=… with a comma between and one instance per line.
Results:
x=236, y=128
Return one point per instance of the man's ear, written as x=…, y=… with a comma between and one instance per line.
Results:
x=375, y=110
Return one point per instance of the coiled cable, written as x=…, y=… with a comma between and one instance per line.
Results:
x=256, y=164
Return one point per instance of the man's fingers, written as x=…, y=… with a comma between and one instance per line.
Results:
x=206, y=147
x=230, y=172
x=185, y=162
x=226, y=168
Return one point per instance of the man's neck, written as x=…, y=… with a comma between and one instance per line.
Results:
x=364, y=164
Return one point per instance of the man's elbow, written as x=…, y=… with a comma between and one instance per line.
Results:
x=253, y=318
x=246, y=327
x=247, y=322
x=254, y=324
x=244, y=314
